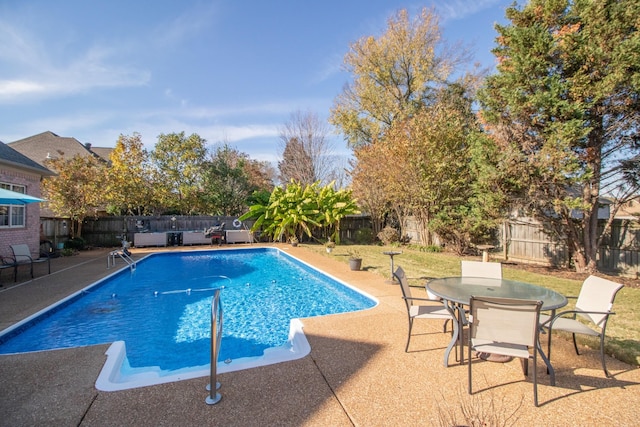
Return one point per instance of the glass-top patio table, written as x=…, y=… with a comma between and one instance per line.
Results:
x=457, y=291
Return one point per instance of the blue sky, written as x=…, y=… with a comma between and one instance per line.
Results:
x=231, y=71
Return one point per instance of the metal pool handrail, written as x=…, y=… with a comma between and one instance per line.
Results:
x=216, y=335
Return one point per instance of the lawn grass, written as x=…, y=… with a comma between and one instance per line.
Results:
x=623, y=329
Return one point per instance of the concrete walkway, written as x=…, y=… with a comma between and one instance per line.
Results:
x=357, y=373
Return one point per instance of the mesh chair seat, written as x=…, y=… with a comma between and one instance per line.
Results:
x=570, y=325
x=429, y=312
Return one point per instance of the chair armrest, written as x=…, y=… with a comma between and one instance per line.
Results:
x=3, y=259
x=551, y=320
x=24, y=261
x=6, y=262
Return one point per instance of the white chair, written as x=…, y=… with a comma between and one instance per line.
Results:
x=491, y=270
x=593, y=306
x=435, y=310
x=507, y=327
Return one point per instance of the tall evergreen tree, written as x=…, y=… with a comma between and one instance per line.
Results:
x=564, y=109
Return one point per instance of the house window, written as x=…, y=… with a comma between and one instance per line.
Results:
x=12, y=215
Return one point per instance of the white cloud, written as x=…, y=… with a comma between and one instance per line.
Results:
x=185, y=26
x=13, y=88
x=459, y=9
x=31, y=71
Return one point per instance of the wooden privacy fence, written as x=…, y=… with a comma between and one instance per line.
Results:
x=109, y=231
x=520, y=240
x=527, y=241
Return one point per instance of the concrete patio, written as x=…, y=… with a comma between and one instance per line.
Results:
x=357, y=373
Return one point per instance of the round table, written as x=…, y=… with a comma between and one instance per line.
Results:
x=460, y=289
x=457, y=291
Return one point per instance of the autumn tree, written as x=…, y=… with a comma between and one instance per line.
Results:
x=564, y=111
x=129, y=187
x=307, y=153
x=411, y=126
x=296, y=164
x=76, y=191
x=179, y=163
x=394, y=76
x=231, y=177
x=437, y=170
x=368, y=182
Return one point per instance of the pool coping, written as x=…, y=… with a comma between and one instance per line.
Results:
x=112, y=379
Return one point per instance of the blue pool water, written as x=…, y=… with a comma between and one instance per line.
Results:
x=162, y=310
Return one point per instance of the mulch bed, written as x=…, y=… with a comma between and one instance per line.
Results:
x=570, y=274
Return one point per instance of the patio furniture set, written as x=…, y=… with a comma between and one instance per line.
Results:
x=504, y=317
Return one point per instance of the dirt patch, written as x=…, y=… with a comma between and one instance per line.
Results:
x=570, y=274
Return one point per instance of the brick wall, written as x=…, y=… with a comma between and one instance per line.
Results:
x=30, y=234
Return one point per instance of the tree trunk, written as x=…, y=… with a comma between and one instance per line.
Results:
x=77, y=227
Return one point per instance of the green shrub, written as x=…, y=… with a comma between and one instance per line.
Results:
x=67, y=252
x=76, y=243
x=364, y=236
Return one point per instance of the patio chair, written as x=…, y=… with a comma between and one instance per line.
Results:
x=490, y=270
x=5, y=262
x=593, y=306
x=508, y=327
x=216, y=233
x=435, y=310
x=22, y=256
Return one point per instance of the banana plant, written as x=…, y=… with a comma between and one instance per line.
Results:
x=335, y=205
x=291, y=211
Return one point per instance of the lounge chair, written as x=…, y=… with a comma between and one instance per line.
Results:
x=22, y=256
x=216, y=233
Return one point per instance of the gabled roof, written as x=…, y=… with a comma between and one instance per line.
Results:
x=11, y=157
x=47, y=145
x=103, y=152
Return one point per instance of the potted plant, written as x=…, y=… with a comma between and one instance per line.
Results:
x=329, y=246
x=355, y=260
x=294, y=241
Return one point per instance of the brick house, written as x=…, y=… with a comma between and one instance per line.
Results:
x=48, y=145
x=20, y=223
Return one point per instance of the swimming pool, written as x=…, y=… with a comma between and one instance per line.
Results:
x=158, y=317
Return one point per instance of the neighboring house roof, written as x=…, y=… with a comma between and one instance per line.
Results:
x=11, y=157
x=47, y=145
x=103, y=152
